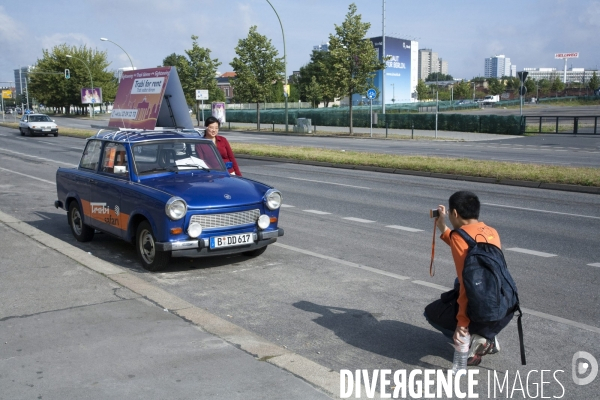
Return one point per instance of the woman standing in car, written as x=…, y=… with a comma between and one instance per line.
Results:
x=212, y=132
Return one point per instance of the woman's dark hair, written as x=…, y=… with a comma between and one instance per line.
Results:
x=466, y=204
x=211, y=120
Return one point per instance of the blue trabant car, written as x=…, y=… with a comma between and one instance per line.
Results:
x=169, y=193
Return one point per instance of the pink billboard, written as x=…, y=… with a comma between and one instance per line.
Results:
x=139, y=98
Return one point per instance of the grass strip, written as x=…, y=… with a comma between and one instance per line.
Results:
x=457, y=166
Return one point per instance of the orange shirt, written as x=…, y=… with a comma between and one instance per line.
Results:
x=480, y=232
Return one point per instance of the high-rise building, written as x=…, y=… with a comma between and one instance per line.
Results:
x=498, y=66
x=21, y=77
x=443, y=66
x=428, y=63
x=322, y=47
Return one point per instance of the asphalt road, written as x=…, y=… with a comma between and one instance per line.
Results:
x=347, y=284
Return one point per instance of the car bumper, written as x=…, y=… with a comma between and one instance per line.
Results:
x=42, y=132
x=201, y=248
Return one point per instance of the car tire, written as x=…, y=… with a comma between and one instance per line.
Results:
x=30, y=132
x=256, y=253
x=81, y=231
x=145, y=245
x=55, y=134
x=22, y=133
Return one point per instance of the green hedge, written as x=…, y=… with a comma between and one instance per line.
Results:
x=425, y=121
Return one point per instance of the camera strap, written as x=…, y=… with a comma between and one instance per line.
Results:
x=431, y=266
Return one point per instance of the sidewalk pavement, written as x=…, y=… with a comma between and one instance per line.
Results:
x=73, y=326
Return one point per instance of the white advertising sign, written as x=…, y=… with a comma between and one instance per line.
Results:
x=201, y=94
x=566, y=55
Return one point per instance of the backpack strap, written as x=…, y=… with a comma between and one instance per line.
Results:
x=465, y=236
x=520, y=330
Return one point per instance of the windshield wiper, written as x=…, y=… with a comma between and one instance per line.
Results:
x=194, y=166
x=170, y=168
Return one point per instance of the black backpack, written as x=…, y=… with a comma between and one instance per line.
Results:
x=491, y=291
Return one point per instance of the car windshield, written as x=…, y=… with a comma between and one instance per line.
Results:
x=177, y=155
x=39, y=118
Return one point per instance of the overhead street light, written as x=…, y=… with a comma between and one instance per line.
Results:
x=286, y=94
x=91, y=80
x=107, y=40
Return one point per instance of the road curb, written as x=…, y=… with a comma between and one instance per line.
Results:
x=509, y=182
x=315, y=374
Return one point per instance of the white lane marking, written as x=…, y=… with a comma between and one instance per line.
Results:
x=434, y=286
x=59, y=145
x=286, y=206
x=525, y=161
x=328, y=183
x=532, y=252
x=561, y=320
x=343, y=262
x=542, y=211
x=404, y=228
x=317, y=212
x=39, y=158
x=29, y=176
x=365, y=221
x=594, y=265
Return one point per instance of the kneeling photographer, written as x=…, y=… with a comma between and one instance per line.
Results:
x=451, y=313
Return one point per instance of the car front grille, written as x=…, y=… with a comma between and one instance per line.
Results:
x=210, y=221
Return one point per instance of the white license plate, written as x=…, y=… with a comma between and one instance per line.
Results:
x=217, y=242
x=46, y=130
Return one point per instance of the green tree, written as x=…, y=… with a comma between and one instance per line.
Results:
x=320, y=67
x=423, y=92
x=313, y=92
x=462, y=90
x=257, y=67
x=594, y=82
x=47, y=83
x=438, y=76
x=196, y=71
x=512, y=82
x=557, y=86
x=531, y=86
x=544, y=86
x=354, y=59
x=495, y=86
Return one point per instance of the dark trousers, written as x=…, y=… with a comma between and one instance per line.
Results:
x=441, y=314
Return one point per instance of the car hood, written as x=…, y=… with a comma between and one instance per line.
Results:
x=203, y=189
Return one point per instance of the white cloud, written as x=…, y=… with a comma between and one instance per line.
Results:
x=591, y=15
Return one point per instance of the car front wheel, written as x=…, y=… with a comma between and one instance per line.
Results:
x=145, y=244
x=81, y=231
x=21, y=130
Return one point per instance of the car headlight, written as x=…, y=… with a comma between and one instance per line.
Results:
x=194, y=230
x=264, y=221
x=176, y=208
x=273, y=199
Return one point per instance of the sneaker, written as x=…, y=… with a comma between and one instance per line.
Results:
x=495, y=346
x=480, y=346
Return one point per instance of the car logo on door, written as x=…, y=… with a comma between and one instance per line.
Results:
x=228, y=197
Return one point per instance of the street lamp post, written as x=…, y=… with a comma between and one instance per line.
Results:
x=285, y=93
x=107, y=40
x=91, y=80
x=393, y=94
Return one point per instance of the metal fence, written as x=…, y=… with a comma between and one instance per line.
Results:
x=586, y=125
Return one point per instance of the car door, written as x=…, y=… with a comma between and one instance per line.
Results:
x=88, y=169
x=23, y=123
x=107, y=188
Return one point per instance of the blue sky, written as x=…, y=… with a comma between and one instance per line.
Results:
x=463, y=32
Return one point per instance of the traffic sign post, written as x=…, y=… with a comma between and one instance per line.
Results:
x=201, y=94
x=371, y=93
